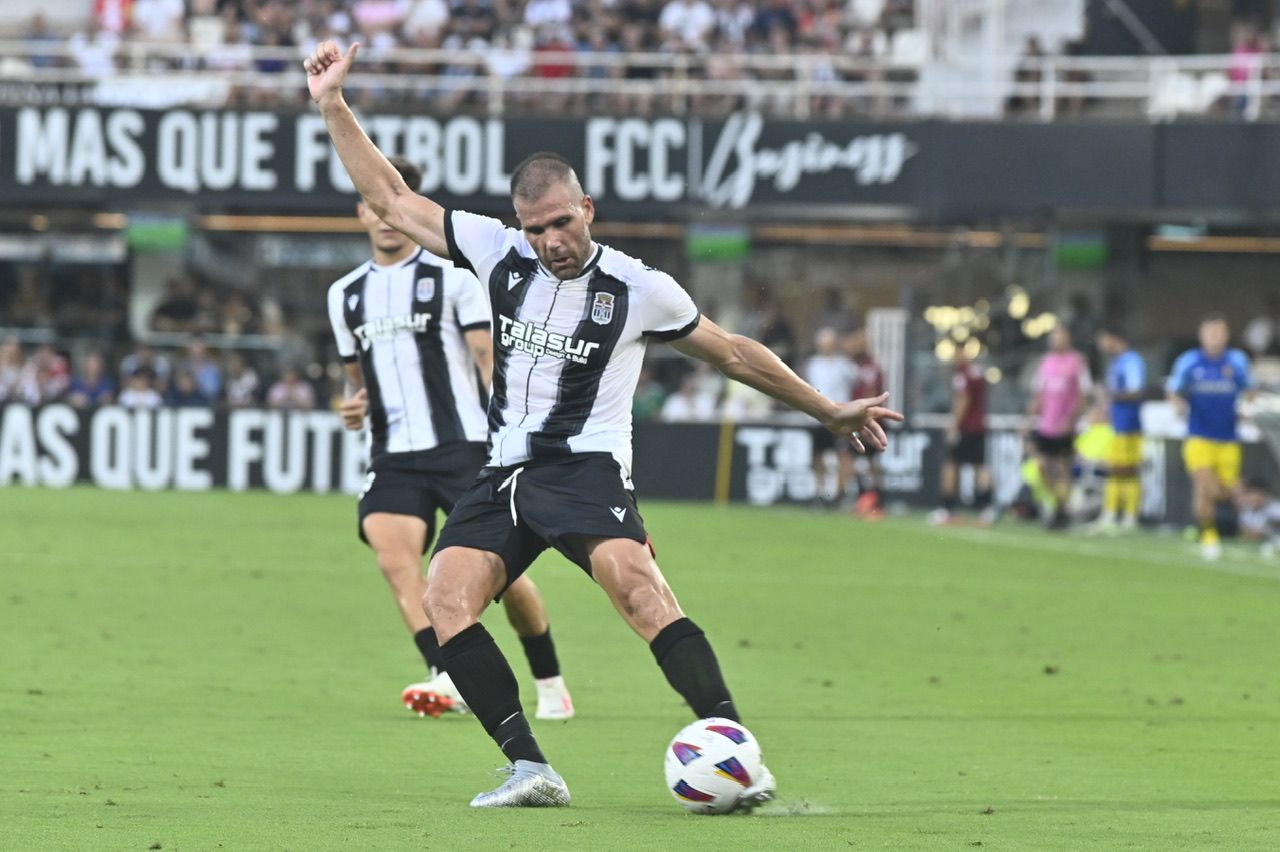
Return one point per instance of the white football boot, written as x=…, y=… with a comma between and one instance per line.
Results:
x=553, y=699
x=758, y=793
x=530, y=785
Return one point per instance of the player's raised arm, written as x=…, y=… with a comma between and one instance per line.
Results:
x=752, y=363
x=377, y=181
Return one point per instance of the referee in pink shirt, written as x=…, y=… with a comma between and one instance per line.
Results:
x=1058, y=400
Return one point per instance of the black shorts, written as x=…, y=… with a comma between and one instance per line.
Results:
x=1056, y=446
x=824, y=439
x=419, y=483
x=969, y=449
x=518, y=512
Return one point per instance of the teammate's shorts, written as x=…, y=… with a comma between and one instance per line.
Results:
x=971, y=448
x=1056, y=446
x=1125, y=450
x=1222, y=457
x=824, y=439
x=419, y=483
x=518, y=512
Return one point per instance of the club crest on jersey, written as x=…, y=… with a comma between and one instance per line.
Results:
x=602, y=309
x=425, y=290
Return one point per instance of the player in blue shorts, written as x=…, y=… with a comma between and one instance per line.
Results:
x=1207, y=384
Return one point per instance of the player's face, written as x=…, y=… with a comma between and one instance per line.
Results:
x=1059, y=339
x=558, y=227
x=1213, y=337
x=384, y=237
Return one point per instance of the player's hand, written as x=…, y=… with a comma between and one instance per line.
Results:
x=327, y=67
x=953, y=436
x=859, y=422
x=353, y=409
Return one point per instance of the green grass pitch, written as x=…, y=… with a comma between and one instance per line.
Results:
x=222, y=671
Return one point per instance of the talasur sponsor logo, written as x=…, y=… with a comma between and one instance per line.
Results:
x=532, y=340
x=385, y=328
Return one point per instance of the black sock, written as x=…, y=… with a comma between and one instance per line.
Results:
x=541, y=652
x=949, y=502
x=485, y=681
x=425, y=639
x=983, y=498
x=686, y=658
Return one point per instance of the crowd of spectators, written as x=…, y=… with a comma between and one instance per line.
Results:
x=149, y=378
x=506, y=38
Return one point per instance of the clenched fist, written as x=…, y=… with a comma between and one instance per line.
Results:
x=327, y=67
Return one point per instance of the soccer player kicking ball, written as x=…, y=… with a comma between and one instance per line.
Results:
x=1207, y=384
x=571, y=320
x=413, y=331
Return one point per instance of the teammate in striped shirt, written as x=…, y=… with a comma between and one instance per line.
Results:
x=571, y=321
x=413, y=332
x=1207, y=383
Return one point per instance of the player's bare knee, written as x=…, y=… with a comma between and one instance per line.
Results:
x=398, y=566
x=459, y=587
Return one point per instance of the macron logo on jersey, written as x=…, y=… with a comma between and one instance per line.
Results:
x=536, y=341
x=385, y=328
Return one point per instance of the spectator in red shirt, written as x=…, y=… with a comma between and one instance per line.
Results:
x=966, y=440
x=867, y=378
x=552, y=40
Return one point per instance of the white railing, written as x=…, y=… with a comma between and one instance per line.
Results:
x=799, y=85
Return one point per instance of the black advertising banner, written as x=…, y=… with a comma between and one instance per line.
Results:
x=274, y=161
x=282, y=162
x=1233, y=166
x=185, y=449
x=198, y=449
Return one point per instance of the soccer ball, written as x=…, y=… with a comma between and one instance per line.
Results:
x=710, y=763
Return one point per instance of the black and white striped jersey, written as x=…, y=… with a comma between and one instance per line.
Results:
x=567, y=354
x=405, y=324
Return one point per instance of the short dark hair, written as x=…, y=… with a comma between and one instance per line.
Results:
x=1114, y=331
x=412, y=174
x=536, y=173
x=1213, y=316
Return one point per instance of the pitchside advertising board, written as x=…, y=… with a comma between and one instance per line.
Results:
x=270, y=161
x=199, y=449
